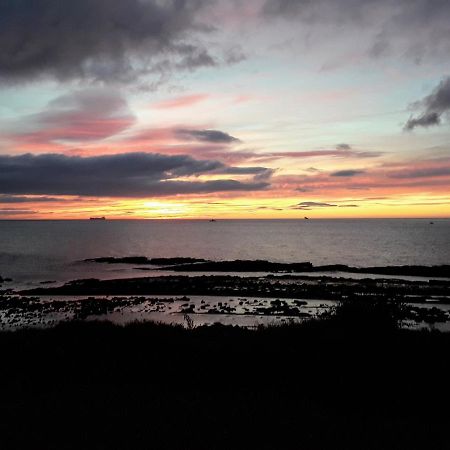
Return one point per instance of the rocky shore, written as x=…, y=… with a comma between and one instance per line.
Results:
x=283, y=286
x=220, y=298
x=201, y=265
x=345, y=367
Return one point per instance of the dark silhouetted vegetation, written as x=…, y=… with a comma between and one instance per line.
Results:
x=350, y=380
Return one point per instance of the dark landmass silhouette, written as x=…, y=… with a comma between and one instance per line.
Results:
x=266, y=266
x=351, y=379
x=145, y=260
x=187, y=264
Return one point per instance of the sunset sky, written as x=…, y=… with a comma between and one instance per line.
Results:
x=224, y=109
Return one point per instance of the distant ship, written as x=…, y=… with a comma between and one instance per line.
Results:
x=212, y=220
x=97, y=218
x=306, y=218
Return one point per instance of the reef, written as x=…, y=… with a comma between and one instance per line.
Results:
x=186, y=264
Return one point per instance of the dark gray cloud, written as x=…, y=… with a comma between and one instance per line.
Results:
x=323, y=10
x=311, y=154
x=347, y=173
x=212, y=136
x=433, y=107
x=6, y=199
x=347, y=149
x=306, y=206
x=6, y=212
x=269, y=208
x=194, y=58
x=264, y=174
x=122, y=175
x=235, y=55
x=425, y=172
x=119, y=40
x=425, y=120
x=412, y=29
x=259, y=173
x=369, y=154
x=105, y=40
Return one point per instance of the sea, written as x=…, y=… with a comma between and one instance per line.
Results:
x=32, y=252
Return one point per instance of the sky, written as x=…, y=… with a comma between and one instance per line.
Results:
x=187, y=109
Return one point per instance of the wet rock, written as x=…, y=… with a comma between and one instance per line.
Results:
x=145, y=260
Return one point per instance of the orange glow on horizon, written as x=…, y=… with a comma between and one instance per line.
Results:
x=233, y=208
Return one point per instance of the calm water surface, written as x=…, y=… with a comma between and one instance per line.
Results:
x=32, y=251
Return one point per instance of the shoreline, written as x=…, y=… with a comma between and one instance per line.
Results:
x=284, y=285
x=267, y=362
x=245, y=301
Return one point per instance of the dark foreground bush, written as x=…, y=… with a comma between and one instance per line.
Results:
x=314, y=386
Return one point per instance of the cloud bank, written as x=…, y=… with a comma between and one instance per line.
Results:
x=122, y=175
x=99, y=40
x=412, y=29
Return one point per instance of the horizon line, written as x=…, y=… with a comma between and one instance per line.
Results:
x=221, y=219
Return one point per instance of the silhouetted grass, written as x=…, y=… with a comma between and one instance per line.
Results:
x=346, y=381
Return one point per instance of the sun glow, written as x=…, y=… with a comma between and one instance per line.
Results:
x=165, y=209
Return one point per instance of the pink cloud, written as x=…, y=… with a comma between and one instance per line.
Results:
x=83, y=116
x=335, y=153
x=243, y=98
x=75, y=128
x=428, y=176
x=181, y=102
x=175, y=139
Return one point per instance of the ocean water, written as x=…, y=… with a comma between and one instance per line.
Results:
x=34, y=251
